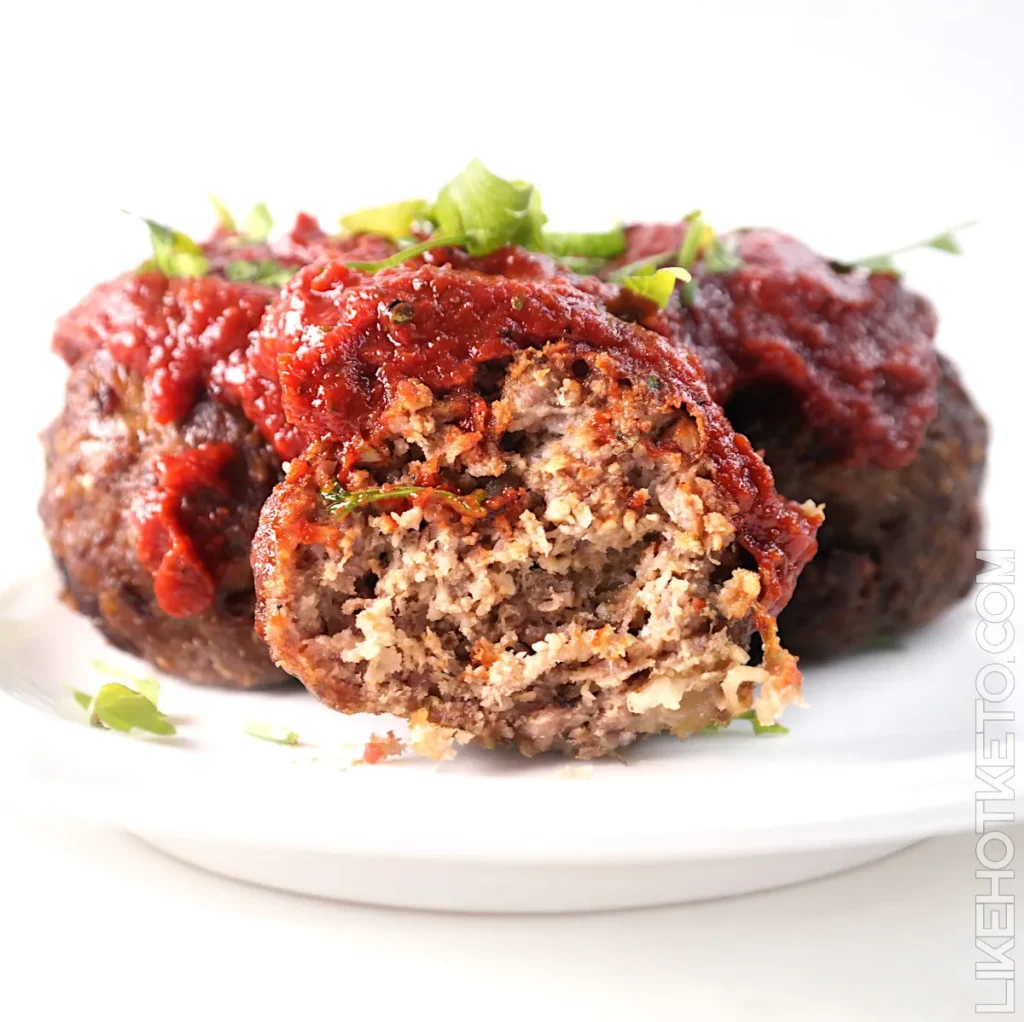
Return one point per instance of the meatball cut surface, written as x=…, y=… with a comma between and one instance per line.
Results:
x=898, y=545
x=143, y=516
x=551, y=563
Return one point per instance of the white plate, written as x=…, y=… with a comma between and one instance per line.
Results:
x=883, y=757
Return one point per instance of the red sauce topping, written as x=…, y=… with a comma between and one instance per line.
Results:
x=254, y=379
x=855, y=347
x=182, y=336
x=171, y=327
x=342, y=344
x=179, y=524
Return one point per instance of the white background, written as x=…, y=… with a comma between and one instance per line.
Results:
x=857, y=126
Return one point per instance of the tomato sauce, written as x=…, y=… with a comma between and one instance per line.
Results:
x=182, y=336
x=323, y=360
x=179, y=524
x=342, y=344
x=855, y=348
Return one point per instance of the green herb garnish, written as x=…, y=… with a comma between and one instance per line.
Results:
x=145, y=684
x=224, y=217
x=408, y=253
x=583, y=265
x=759, y=728
x=642, y=267
x=258, y=224
x=601, y=245
x=394, y=221
x=271, y=733
x=266, y=271
x=174, y=254
x=701, y=242
x=119, y=708
x=482, y=212
x=658, y=285
x=697, y=238
x=341, y=502
x=721, y=256
x=884, y=262
x=489, y=211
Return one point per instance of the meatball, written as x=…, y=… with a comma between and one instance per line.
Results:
x=834, y=375
x=558, y=544
x=105, y=454
x=898, y=545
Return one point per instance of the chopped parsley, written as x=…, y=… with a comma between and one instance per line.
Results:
x=120, y=708
x=759, y=728
x=657, y=285
x=394, y=221
x=641, y=267
x=224, y=217
x=697, y=238
x=408, y=253
x=488, y=211
x=258, y=224
x=174, y=254
x=341, y=502
x=271, y=733
x=701, y=243
x=145, y=685
x=583, y=265
x=884, y=262
x=266, y=271
x=602, y=245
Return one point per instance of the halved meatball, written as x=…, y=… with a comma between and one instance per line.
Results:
x=109, y=506
x=898, y=545
x=553, y=563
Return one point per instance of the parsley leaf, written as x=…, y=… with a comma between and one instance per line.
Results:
x=600, y=245
x=259, y=223
x=658, y=285
x=759, y=728
x=641, y=267
x=697, y=238
x=489, y=211
x=584, y=265
x=119, y=708
x=174, y=254
x=408, y=253
x=947, y=241
x=341, y=502
x=266, y=271
x=721, y=256
x=394, y=221
x=701, y=242
x=271, y=733
x=224, y=217
x=145, y=685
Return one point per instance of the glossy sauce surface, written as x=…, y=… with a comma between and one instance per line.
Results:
x=855, y=348
x=179, y=536
x=342, y=344
x=324, y=359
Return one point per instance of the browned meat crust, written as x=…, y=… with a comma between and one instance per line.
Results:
x=100, y=455
x=898, y=545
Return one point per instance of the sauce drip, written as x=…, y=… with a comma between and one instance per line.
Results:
x=179, y=526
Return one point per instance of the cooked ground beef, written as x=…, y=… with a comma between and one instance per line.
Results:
x=102, y=458
x=898, y=545
x=584, y=587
